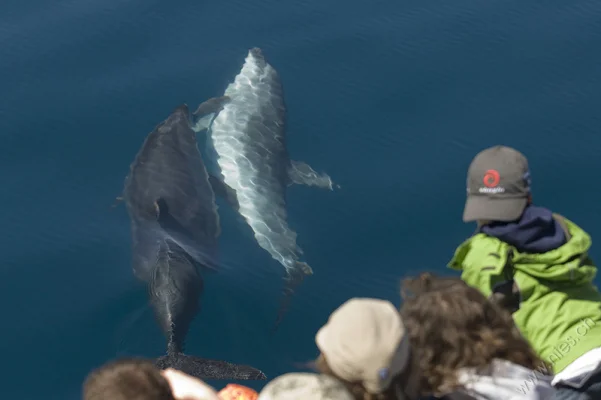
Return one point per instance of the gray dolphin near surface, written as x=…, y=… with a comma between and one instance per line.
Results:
x=248, y=139
x=175, y=226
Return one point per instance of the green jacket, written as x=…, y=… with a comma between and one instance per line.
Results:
x=560, y=307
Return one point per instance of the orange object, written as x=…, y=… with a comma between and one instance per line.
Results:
x=238, y=392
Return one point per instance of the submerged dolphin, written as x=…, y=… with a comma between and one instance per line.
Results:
x=175, y=226
x=248, y=139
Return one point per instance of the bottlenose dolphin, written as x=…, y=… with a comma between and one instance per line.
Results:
x=248, y=139
x=175, y=226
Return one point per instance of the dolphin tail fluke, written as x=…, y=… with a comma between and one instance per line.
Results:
x=207, y=369
x=301, y=173
x=204, y=114
x=293, y=281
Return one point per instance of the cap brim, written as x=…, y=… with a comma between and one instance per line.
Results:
x=329, y=347
x=321, y=339
x=493, y=209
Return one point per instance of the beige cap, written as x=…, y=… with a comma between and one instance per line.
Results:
x=364, y=341
x=307, y=386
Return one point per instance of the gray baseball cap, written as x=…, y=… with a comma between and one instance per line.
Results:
x=498, y=185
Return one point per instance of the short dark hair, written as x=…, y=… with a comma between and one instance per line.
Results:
x=127, y=379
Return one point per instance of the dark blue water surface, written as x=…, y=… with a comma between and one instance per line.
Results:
x=391, y=98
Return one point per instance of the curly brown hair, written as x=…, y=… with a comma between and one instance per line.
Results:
x=454, y=326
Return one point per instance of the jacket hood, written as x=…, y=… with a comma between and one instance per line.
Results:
x=507, y=381
x=535, y=232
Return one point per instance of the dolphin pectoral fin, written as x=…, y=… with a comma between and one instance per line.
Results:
x=203, y=123
x=204, y=114
x=301, y=173
x=224, y=191
x=293, y=280
x=211, y=106
x=207, y=369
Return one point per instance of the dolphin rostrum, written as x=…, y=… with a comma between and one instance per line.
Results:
x=175, y=226
x=248, y=139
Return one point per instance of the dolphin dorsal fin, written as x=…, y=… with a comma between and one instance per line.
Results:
x=301, y=173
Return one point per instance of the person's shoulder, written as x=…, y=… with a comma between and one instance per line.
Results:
x=481, y=242
x=575, y=235
x=479, y=249
x=561, y=221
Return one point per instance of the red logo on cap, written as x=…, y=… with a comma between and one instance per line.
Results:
x=491, y=178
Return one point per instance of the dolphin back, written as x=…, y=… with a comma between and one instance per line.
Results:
x=168, y=194
x=204, y=368
x=248, y=140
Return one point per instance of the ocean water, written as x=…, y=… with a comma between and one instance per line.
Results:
x=391, y=98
